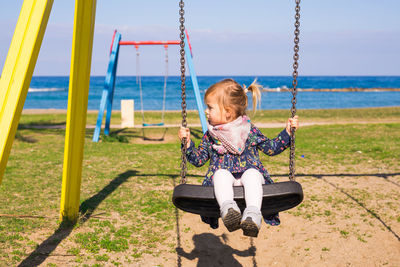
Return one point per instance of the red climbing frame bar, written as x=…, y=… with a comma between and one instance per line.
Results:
x=164, y=43
x=149, y=42
x=115, y=31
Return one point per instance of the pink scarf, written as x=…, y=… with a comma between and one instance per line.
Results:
x=232, y=135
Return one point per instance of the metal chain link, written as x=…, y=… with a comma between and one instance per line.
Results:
x=294, y=90
x=183, y=87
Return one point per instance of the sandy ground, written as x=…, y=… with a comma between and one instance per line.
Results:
x=350, y=236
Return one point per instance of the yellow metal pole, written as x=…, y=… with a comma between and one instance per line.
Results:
x=82, y=42
x=18, y=69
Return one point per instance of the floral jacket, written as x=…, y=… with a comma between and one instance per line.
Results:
x=237, y=164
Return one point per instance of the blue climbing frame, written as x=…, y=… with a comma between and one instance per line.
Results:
x=108, y=91
x=109, y=85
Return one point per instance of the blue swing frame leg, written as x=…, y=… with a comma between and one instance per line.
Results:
x=193, y=77
x=110, y=98
x=108, y=91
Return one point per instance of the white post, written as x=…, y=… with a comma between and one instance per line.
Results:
x=127, y=113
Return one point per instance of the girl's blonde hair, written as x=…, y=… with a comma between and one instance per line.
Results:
x=231, y=96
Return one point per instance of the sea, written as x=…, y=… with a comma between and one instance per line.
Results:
x=52, y=92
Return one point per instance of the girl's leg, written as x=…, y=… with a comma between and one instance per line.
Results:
x=252, y=181
x=223, y=188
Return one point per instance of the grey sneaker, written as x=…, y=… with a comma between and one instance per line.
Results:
x=251, y=221
x=230, y=214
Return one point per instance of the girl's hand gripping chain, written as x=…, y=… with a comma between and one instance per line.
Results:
x=292, y=123
x=184, y=133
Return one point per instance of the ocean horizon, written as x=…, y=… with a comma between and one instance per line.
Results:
x=51, y=92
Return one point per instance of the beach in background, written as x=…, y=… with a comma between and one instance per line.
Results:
x=315, y=92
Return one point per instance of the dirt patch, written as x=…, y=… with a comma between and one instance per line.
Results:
x=344, y=221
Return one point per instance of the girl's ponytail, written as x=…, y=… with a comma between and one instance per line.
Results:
x=255, y=89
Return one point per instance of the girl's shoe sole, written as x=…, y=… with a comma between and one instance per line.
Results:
x=232, y=220
x=249, y=227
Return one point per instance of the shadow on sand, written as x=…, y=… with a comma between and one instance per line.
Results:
x=212, y=250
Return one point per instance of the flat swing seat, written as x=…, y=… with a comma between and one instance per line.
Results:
x=201, y=200
x=152, y=124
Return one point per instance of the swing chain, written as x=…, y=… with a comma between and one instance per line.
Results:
x=165, y=82
x=294, y=90
x=183, y=87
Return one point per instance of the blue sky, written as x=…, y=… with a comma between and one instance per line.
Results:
x=352, y=37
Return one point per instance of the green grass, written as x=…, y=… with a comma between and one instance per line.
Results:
x=127, y=182
x=174, y=117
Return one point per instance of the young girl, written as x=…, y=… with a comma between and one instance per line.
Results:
x=231, y=144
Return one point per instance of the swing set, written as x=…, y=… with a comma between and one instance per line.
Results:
x=109, y=84
x=277, y=197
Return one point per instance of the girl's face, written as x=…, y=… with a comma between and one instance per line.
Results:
x=215, y=114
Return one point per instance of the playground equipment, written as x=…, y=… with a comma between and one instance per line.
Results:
x=17, y=75
x=276, y=197
x=109, y=85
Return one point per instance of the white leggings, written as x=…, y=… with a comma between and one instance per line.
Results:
x=252, y=181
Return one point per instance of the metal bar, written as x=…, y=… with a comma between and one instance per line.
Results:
x=149, y=42
x=188, y=41
x=111, y=94
x=112, y=41
x=18, y=69
x=195, y=84
x=81, y=57
x=109, y=82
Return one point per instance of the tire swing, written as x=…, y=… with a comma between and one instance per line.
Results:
x=277, y=197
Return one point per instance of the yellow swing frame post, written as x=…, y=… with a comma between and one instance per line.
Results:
x=16, y=77
x=79, y=79
x=18, y=70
